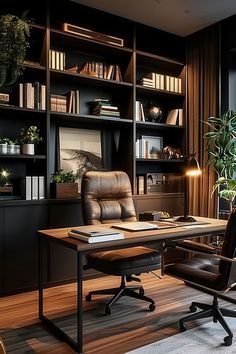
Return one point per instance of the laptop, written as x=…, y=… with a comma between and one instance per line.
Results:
x=135, y=226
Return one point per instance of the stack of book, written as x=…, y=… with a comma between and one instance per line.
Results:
x=56, y=60
x=58, y=103
x=103, y=107
x=92, y=234
x=32, y=95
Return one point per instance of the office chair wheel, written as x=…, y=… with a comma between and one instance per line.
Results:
x=107, y=311
x=192, y=308
x=152, y=307
x=228, y=341
x=141, y=291
x=182, y=327
x=88, y=298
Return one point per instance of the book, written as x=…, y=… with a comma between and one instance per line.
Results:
x=94, y=231
x=135, y=226
x=172, y=117
x=104, y=238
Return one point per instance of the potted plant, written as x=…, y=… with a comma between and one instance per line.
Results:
x=63, y=184
x=14, y=34
x=221, y=146
x=28, y=137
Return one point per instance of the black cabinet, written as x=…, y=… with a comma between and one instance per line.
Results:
x=21, y=246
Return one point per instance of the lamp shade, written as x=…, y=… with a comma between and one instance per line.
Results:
x=193, y=168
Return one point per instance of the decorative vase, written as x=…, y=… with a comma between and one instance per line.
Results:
x=28, y=149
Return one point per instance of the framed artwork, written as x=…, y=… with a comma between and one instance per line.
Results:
x=151, y=147
x=80, y=150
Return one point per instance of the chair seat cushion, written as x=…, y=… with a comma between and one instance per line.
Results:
x=200, y=270
x=125, y=261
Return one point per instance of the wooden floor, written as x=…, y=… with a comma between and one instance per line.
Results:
x=131, y=324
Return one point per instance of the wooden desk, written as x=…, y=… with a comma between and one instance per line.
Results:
x=152, y=238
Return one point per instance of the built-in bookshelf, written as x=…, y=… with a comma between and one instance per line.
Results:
x=73, y=71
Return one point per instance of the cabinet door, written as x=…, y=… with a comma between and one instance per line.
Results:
x=63, y=260
x=21, y=246
x=1, y=249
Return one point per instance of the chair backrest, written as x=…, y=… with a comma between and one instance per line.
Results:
x=106, y=197
x=226, y=269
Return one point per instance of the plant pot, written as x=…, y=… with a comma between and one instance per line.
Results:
x=28, y=149
x=64, y=190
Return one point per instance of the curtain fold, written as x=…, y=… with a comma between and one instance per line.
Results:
x=202, y=102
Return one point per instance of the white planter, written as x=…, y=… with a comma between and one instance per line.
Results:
x=11, y=149
x=28, y=149
x=3, y=149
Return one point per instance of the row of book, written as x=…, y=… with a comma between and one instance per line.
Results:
x=32, y=95
x=69, y=103
x=103, y=107
x=33, y=187
x=102, y=70
x=162, y=82
x=56, y=60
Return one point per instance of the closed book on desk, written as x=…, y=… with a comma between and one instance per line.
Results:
x=94, y=239
x=94, y=231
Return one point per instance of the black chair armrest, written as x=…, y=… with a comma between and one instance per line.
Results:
x=196, y=246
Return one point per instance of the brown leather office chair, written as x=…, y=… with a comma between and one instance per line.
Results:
x=211, y=273
x=107, y=198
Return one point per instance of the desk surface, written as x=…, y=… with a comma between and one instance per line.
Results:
x=137, y=237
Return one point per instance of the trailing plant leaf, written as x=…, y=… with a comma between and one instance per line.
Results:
x=14, y=34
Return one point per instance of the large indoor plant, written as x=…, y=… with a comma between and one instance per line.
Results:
x=14, y=34
x=221, y=146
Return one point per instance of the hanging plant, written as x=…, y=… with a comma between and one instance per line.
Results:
x=14, y=34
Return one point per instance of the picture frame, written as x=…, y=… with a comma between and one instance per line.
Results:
x=151, y=147
x=79, y=150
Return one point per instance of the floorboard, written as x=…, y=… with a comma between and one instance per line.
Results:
x=131, y=324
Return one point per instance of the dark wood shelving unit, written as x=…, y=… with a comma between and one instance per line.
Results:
x=139, y=56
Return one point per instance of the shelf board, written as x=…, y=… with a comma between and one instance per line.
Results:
x=59, y=74
x=23, y=157
x=21, y=109
x=158, y=125
x=153, y=59
x=37, y=26
x=73, y=40
x=35, y=67
x=151, y=90
x=160, y=160
x=88, y=118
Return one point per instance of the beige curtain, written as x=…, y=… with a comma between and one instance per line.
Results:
x=202, y=102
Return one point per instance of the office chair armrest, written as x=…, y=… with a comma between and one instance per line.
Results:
x=196, y=246
x=219, y=256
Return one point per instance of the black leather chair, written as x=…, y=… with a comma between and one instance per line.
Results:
x=211, y=273
x=107, y=198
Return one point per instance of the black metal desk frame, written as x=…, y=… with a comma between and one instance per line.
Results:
x=155, y=244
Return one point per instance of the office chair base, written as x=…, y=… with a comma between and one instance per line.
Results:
x=207, y=311
x=123, y=290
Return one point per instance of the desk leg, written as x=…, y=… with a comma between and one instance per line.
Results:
x=40, y=278
x=79, y=302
